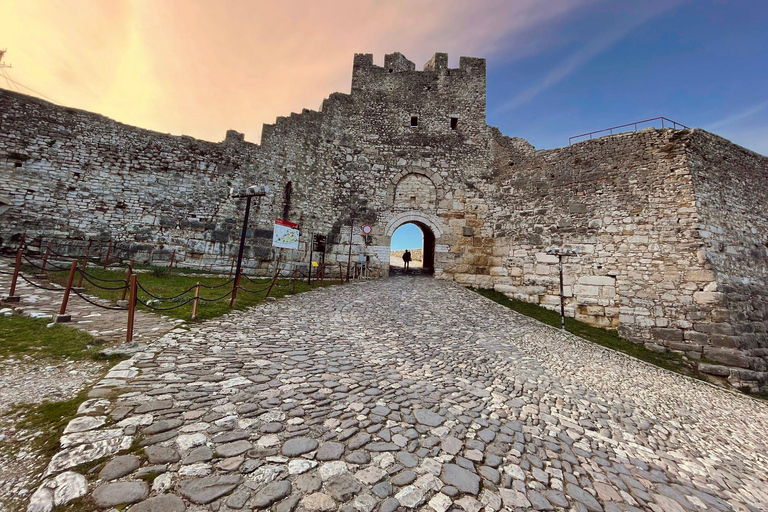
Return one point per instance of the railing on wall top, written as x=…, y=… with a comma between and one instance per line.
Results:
x=662, y=120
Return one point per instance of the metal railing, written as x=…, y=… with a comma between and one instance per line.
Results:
x=670, y=124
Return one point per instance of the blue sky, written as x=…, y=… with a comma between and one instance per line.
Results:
x=555, y=68
x=701, y=63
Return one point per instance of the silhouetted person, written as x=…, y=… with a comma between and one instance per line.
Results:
x=407, y=259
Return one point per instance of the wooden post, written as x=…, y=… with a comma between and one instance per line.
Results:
x=109, y=251
x=131, y=309
x=197, y=299
x=16, y=269
x=295, y=278
x=68, y=289
x=274, y=279
x=45, y=258
x=232, y=267
x=234, y=289
x=341, y=275
x=173, y=258
x=85, y=265
x=128, y=275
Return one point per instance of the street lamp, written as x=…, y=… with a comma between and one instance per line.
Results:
x=561, y=252
x=248, y=193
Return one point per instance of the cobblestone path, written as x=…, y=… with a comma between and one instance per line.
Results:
x=411, y=393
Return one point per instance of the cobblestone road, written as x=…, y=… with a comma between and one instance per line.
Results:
x=412, y=393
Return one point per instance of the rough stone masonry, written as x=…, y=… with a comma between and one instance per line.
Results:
x=671, y=224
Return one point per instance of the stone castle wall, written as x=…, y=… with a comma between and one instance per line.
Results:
x=670, y=224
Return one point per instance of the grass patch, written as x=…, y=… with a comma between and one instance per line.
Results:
x=48, y=420
x=158, y=283
x=22, y=336
x=604, y=337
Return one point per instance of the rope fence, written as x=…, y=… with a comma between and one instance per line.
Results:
x=283, y=278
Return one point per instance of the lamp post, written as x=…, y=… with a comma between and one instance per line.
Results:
x=562, y=252
x=248, y=193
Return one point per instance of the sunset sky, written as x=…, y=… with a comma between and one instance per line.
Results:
x=555, y=68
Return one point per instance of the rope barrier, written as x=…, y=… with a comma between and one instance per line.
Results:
x=40, y=286
x=165, y=309
x=164, y=298
x=216, y=286
x=102, y=306
x=99, y=278
x=216, y=299
x=253, y=291
x=85, y=275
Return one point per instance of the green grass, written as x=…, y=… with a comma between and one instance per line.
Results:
x=48, y=420
x=159, y=283
x=604, y=337
x=21, y=336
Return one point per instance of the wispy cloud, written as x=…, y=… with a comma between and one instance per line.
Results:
x=200, y=67
x=735, y=118
x=591, y=49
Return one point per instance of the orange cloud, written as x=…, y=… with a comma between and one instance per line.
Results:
x=199, y=68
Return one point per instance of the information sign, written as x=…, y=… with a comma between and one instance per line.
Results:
x=285, y=235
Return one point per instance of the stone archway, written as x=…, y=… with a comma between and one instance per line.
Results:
x=429, y=229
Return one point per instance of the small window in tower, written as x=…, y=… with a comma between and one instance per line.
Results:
x=414, y=121
x=454, y=123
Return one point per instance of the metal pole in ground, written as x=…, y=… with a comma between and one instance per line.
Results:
x=241, y=249
x=128, y=275
x=197, y=299
x=45, y=258
x=109, y=252
x=349, y=256
x=562, y=297
x=16, y=269
x=68, y=289
x=309, y=267
x=131, y=309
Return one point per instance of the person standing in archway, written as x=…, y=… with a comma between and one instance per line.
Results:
x=407, y=259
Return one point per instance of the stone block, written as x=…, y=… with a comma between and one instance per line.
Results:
x=700, y=275
x=598, y=280
x=664, y=334
x=726, y=356
x=714, y=369
x=708, y=297
x=580, y=289
x=542, y=257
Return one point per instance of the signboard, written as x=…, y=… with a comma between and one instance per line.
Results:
x=285, y=235
x=318, y=243
x=367, y=230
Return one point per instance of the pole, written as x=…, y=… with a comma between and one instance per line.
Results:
x=351, y=232
x=16, y=269
x=85, y=265
x=68, y=289
x=131, y=310
x=562, y=297
x=311, y=247
x=170, y=265
x=234, y=289
x=128, y=274
x=274, y=279
x=194, y=304
x=109, y=251
x=295, y=278
x=232, y=266
x=242, y=247
x=45, y=258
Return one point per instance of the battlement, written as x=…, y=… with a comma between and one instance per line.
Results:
x=368, y=76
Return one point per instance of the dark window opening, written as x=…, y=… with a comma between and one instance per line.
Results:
x=454, y=123
x=287, y=200
x=414, y=121
x=391, y=70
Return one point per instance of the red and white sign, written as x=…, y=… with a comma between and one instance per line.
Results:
x=285, y=234
x=367, y=230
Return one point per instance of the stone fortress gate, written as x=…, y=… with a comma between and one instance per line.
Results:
x=671, y=225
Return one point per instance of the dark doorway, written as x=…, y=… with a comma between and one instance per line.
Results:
x=420, y=241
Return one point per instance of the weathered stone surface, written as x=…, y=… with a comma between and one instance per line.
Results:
x=318, y=502
x=298, y=446
x=330, y=451
x=205, y=490
x=458, y=477
x=271, y=493
x=161, y=454
x=162, y=503
x=119, y=467
x=119, y=493
x=428, y=418
x=343, y=487
x=410, y=496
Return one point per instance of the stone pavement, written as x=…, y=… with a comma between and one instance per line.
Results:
x=407, y=393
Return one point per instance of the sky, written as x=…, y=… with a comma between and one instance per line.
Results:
x=555, y=69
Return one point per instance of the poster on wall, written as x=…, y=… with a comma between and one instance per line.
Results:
x=285, y=235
